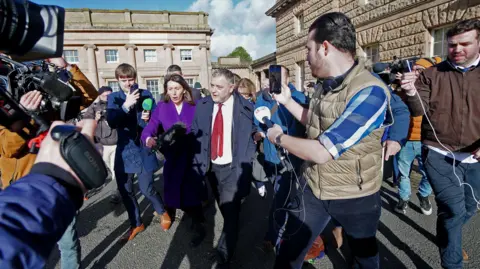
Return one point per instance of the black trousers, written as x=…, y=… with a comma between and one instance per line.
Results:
x=223, y=180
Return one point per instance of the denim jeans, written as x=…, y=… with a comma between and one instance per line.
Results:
x=308, y=216
x=411, y=151
x=70, y=249
x=455, y=203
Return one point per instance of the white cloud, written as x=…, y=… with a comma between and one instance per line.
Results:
x=242, y=24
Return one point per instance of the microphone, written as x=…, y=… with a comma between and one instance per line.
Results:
x=263, y=115
x=147, y=105
x=55, y=87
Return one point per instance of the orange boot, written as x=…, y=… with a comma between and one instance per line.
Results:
x=165, y=221
x=132, y=232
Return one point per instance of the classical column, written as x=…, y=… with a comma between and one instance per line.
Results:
x=168, y=54
x=92, y=64
x=204, y=74
x=131, y=54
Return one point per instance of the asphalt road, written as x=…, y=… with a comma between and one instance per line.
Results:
x=405, y=241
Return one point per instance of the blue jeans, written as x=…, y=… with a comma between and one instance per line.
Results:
x=308, y=216
x=411, y=151
x=70, y=249
x=455, y=204
x=145, y=182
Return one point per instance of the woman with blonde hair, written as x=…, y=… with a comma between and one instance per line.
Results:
x=247, y=90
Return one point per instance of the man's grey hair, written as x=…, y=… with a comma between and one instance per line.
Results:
x=174, y=68
x=227, y=74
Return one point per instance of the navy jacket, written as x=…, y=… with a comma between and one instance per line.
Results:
x=131, y=155
x=243, y=147
x=34, y=213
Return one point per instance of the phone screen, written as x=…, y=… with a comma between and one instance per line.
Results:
x=275, y=78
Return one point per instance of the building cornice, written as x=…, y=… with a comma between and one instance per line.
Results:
x=136, y=11
x=272, y=57
x=279, y=6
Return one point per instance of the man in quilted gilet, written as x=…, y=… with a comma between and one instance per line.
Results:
x=343, y=151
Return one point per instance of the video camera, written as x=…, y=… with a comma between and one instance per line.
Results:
x=32, y=32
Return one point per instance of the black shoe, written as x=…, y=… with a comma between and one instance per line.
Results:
x=401, y=206
x=425, y=205
x=115, y=198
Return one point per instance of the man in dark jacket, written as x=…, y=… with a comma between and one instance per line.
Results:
x=175, y=69
x=447, y=96
x=104, y=134
x=223, y=147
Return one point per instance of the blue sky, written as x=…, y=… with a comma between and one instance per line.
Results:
x=236, y=22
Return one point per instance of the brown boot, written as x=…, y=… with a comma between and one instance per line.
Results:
x=465, y=255
x=132, y=232
x=337, y=233
x=165, y=221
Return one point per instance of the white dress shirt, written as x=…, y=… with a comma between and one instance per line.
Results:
x=227, y=113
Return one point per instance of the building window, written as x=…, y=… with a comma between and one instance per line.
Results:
x=150, y=55
x=299, y=23
x=300, y=75
x=372, y=53
x=152, y=86
x=111, y=56
x=71, y=56
x=190, y=81
x=185, y=55
x=114, y=85
x=440, y=44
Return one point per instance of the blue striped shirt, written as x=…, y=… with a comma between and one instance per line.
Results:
x=364, y=113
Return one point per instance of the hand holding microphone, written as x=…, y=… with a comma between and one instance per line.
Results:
x=263, y=115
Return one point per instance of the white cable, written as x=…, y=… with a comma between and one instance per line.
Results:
x=443, y=146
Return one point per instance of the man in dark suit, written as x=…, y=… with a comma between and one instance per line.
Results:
x=224, y=149
x=126, y=115
x=175, y=69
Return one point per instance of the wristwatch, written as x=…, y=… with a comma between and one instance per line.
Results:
x=278, y=139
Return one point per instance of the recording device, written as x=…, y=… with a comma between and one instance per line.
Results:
x=57, y=99
x=147, y=105
x=31, y=32
x=263, y=115
x=81, y=155
x=133, y=88
x=275, y=79
x=171, y=138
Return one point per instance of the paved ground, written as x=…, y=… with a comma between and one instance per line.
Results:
x=406, y=241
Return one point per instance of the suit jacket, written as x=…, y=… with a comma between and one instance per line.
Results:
x=131, y=155
x=243, y=146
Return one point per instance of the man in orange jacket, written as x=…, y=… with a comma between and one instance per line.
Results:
x=16, y=161
x=413, y=150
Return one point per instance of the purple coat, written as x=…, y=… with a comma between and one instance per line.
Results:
x=180, y=190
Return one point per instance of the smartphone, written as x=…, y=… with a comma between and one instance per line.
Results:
x=275, y=78
x=407, y=67
x=134, y=87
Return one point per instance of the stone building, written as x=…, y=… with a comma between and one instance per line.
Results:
x=99, y=40
x=260, y=68
x=385, y=28
x=235, y=65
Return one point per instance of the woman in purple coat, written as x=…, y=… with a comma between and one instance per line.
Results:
x=180, y=190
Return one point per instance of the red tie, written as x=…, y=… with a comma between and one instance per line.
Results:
x=217, y=135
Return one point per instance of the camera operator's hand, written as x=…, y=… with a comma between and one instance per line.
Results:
x=151, y=142
x=131, y=99
x=273, y=132
x=408, y=82
x=31, y=100
x=285, y=96
x=98, y=115
x=50, y=150
x=391, y=148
